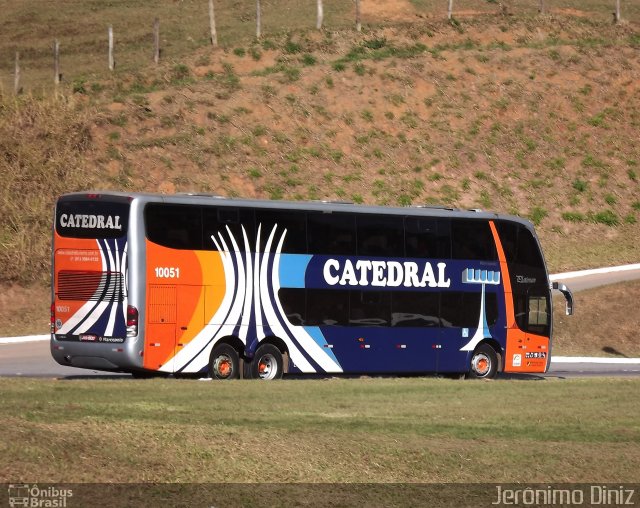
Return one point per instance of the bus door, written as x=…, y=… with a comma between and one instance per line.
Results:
x=175, y=315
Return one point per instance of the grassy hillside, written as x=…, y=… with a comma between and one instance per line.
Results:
x=536, y=116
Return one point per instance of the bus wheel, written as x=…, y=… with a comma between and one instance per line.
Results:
x=484, y=363
x=225, y=363
x=267, y=363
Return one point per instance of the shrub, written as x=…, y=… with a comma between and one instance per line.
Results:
x=537, y=215
x=574, y=217
x=608, y=217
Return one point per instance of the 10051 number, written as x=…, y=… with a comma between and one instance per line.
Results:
x=165, y=272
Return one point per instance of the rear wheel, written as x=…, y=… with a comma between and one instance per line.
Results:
x=267, y=363
x=225, y=363
x=484, y=363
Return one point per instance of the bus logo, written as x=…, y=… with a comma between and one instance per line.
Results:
x=18, y=495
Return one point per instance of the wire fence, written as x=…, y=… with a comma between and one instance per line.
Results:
x=127, y=35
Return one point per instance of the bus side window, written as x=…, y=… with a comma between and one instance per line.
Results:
x=294, y=302
x=174, y=226
x=532, y=313
x=415, y=309
x=291, y=221
x=538, y=318
x=427, y=238
x=472, y=240
x=331, y=233
x=460, y=310
x=380, y=236
x=327, y=307
x=370, y=308
x=218, y=222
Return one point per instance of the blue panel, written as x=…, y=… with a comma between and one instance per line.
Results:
x=316, y=334
x=292, y=270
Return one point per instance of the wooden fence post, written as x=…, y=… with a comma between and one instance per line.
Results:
x=358, y=22
x=156, y=40
x=212, y=25
x=258, y=20
x=57, y=77
x=541, y=7
x=16, y=76
x=450, y=9
x=617, y=15
x=320, y=17
x=112, y=63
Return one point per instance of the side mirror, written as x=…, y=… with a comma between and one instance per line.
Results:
x=568, y=295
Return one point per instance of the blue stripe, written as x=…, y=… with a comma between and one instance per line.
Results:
x=293, y=268
x=316, y=334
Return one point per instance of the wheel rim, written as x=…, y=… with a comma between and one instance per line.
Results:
x=223, y=367
x=267, y=367
x=481, y=364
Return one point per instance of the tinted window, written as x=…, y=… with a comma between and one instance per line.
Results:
x=415, y=308
x=92, y=219
x=508, y=232
x=174, y=226
x=331, y=233
x=528, y=250
x=460, y=309
x=294, y=304
x=472, y=240
x=224, y=222
x=327, y=307
x=380, y=236
x=370, y=308
x=519, y=245
x=427, y=238
x=294, y=222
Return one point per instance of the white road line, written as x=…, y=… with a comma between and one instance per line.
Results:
x=593, y=359
x=28, y=338
x=583, y=273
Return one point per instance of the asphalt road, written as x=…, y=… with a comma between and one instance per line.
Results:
x=33, y=359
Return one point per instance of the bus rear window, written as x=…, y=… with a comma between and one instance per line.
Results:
x=91, y=219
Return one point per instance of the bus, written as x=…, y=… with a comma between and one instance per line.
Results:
x=199, y=285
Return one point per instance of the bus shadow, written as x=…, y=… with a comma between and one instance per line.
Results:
x=88, y=377
x=523, y=377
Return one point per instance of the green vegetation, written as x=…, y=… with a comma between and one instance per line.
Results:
x=445, y=106
x=391, y=430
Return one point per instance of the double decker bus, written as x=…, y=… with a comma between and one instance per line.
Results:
x=202, y=285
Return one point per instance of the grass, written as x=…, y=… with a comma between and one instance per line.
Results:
x=344, y=431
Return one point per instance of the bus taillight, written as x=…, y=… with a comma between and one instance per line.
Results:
x=132, y=321
x=53, y=318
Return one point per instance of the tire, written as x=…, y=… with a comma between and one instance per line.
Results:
x=484, y=363
x=267, y=364
x=225, y=363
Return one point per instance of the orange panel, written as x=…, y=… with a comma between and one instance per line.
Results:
x=187, y=272
x=519, y=345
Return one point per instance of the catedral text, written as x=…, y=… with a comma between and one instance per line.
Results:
x=366, y=272
x=86, y=221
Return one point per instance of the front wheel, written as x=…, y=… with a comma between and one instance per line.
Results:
x=484, y=363
x=225, y=363
x=267, y=363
